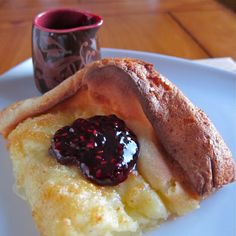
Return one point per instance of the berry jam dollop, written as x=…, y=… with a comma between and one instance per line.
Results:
x=104, y=149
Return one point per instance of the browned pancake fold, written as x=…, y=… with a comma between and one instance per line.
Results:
x=186, y=133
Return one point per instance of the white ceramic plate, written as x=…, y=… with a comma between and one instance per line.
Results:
x=211, y=89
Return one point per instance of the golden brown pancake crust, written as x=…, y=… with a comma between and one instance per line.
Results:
x=186, y=133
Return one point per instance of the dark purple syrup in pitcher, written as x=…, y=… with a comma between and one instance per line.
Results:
x=66, y=19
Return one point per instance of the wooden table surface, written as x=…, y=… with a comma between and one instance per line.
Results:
x=183, y=28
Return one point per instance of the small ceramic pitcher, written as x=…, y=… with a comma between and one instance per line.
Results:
x=63, y=41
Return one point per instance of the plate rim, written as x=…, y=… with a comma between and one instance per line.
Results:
x=149, y=54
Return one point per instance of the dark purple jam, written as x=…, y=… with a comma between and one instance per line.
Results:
x=102, y=147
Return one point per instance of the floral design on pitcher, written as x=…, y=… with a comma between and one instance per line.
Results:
x=58, y=56
x=87, y=53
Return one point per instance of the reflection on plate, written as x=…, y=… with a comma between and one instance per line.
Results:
x=211, y=89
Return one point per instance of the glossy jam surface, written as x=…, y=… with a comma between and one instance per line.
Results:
x=102, y=147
